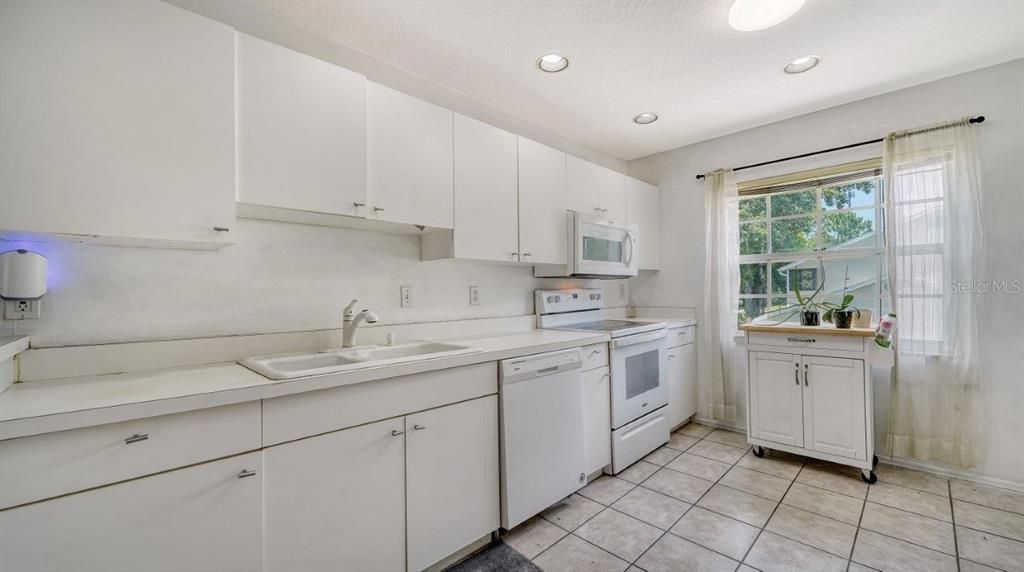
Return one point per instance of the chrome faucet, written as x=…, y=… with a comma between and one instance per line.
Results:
x=351, y=321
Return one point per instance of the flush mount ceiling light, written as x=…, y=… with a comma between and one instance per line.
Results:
x=552, y=63
x=645, y=118
x=802, y=64
x=752, y=15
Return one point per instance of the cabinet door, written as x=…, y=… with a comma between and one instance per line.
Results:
x=204, y=517
x=775, y=398
x=597, y=418
x=543, y=202
x=834, y=406
x=486, y=194
x=301, y=130
x=688, y=368
x=644, y=209
x=337, y=501
x=118, y=120
x=594, y=189
x=452, y=478
x=410, y=158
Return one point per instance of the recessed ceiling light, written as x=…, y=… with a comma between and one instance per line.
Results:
x=802, y=64
x=645, y=118
x=751, y=15
x=552, y=63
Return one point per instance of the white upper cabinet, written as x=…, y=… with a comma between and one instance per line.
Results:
x=596, y=190
x=644, y=204
x=543, y=201
x=486, y=211
x=301, y=131
x=410, y=173
x=118, y=121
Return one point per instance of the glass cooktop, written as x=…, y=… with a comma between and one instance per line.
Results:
x=607, y=325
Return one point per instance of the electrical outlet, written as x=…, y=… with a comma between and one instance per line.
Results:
x=474, y=295
x=406, y=296
x=22, y=309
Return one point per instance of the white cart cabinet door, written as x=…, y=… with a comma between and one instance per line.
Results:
x=644, y=204
x=337, y=501
x=776, y=410
x=486, y=192
x=597, y=418
x=834, y=406
x=595, y=190
x=410, y=158
x=452, y=478
x=204, y=517
x=118, y=120
x=543, y=201
x=301, y=130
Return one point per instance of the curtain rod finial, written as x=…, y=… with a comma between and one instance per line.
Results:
x=699, y=177
x=978, y=119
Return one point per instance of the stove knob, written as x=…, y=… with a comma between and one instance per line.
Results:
x=551, y=299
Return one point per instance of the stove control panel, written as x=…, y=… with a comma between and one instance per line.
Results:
x=574, y=300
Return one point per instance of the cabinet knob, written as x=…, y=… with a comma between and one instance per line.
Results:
x=796, y=373
x=136, y=438
x=418, y=427
x=247, y=473
x=221, y=229
x=806, y=383
x=377, y=209
x=357, y=205
x=527, y=254
x=396, y=433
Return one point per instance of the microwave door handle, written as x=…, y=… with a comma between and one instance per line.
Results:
x=629, y=259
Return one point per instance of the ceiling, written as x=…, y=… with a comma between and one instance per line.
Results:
x=679, y=59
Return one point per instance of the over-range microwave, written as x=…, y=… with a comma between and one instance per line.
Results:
x=598, y=248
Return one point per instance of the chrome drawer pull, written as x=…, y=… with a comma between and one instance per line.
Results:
x=247, y=473
x=396, y=433
x=136, y=438
x=596, y=353
x=806, y=383
x=807, y=340
x=796, y=373
x=418, y=427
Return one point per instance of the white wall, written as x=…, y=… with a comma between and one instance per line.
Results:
x=996, y=92
x=278, y=277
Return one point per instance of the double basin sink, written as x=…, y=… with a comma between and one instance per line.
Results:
x=291, y=366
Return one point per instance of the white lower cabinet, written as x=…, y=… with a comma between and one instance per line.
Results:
x=204, y=517
x=451, y=469
x=337, y=501
x=816, y=405
x=682, y=383
x=597, y=420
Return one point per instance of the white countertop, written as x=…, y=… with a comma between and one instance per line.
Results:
x=11, y=346
x=55, y=405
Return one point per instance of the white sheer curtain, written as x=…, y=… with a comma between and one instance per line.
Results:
x=721, y=296
x=933, y=240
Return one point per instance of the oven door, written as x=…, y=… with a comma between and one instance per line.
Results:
x=603, y=247
x=639, y=384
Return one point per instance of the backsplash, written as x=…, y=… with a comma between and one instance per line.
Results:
x=277, y=277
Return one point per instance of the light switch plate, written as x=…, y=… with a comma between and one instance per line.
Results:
x=474, y=295
x=22, y=309
x=406, y=296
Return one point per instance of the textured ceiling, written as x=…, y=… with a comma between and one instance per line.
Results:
x=679, y=59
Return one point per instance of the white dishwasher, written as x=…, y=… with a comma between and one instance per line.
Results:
x=542, y=449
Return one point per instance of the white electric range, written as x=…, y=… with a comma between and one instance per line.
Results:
x=637, y=361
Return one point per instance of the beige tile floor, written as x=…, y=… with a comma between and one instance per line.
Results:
x=705, y=502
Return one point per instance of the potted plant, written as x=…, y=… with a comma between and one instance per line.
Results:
x=841, y=314
x=809, y=315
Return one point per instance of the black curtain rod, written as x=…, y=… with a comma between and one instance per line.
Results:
x=978, y=119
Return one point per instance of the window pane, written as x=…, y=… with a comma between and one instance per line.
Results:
x=753, y=279
x=856, y=276
x=800, y=202
x=920, y=320
x=788, y=277
x=790, y=235
x=750, y=308
x=853, y=229
x=754, y=238
x=782, y=310
x=917, y=182
x=853, y=195
x=918, y=224
x=919, y=274
x=752, y=208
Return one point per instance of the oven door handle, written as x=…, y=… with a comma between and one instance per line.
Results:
x=638, y=339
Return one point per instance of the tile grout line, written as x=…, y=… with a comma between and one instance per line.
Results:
x=777, y=505
x=952, y=517
x=856, y=532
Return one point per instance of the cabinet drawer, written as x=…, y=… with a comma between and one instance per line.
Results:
x=681, y=336
x=595, y=356
x=304, y=414
x=52, y=464
x=802, y=341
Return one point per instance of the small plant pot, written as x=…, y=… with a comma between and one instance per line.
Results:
x=843, y=319
x=812, y=318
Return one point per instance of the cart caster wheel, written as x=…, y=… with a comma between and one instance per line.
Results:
x=869, y=477
x=874, y=461
x=758, y=451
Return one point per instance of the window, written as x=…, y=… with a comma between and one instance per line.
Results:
x=799, y=236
